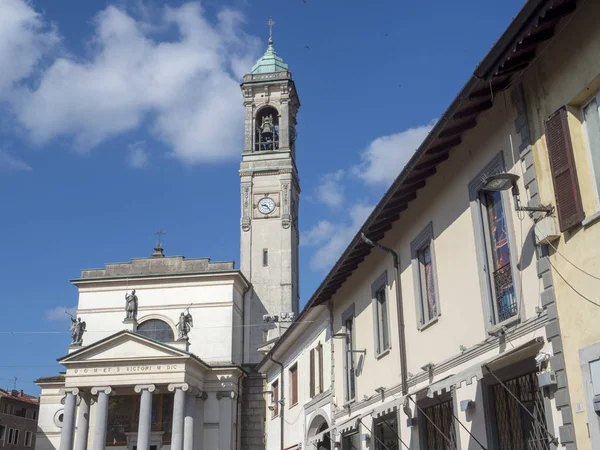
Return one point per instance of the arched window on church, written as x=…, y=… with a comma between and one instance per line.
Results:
x=156, y=329
x=266, y=134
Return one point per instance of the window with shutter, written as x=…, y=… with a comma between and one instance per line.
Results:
x=562, y=165
x=312, y=372
x=320, y=360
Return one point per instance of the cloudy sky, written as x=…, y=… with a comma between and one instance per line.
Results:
x=120, y=117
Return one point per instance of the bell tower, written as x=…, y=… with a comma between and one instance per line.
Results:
x=269, y=197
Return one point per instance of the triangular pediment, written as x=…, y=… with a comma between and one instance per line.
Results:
x=124, y=346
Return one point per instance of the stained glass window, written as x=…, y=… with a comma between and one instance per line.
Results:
x=157, y=330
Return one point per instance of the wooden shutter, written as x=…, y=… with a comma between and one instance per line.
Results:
x=320, y=354
x=294, y=373
x=312, y=372
x=562, y=166
x=275, y=388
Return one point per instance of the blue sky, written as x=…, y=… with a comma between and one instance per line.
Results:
x=120, y=117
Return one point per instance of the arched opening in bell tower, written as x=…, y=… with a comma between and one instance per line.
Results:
x=266, y=133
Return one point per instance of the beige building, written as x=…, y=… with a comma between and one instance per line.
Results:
x=444, y=327
x=561, y=100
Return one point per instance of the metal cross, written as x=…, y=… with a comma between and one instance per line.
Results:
x=271, y=22
x=160, y=233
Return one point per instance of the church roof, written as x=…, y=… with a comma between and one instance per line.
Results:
x=270, y=62
x=165, y=265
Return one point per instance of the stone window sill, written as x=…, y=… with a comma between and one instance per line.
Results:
x=383, y=353
x=428, y=324
x=590, y=220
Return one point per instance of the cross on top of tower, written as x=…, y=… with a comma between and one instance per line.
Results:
x=160, y=233
x=271, y=22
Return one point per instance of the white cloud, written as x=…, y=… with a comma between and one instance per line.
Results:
x=330, y=190
x=137, y=156
x=58, y=313
x=24, y=38
x=330, y=239
x=186, y=88
x=384, y=158
x=9, y=162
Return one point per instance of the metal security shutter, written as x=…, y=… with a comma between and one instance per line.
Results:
x=562, y=166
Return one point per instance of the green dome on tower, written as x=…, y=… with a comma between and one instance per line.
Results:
x=269, y=62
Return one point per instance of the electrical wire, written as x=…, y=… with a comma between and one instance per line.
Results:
x=572, y=263
x=572, y=287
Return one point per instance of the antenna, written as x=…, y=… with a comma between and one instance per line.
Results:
x=15, y=383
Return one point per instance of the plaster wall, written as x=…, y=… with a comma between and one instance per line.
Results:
x=212, y=307
x=445, y=203
x=298, y=417
x=568, y=73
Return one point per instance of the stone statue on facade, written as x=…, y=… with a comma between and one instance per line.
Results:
x=131, y=306
x=184, y=326
x=77, y=330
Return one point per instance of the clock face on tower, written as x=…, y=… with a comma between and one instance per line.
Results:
x=266, y=205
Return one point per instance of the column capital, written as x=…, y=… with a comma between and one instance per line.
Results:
x=104, y=389
x=65, y=391
x=225, y=394
x=144, y=387
x=202, y=395
x=183, y=386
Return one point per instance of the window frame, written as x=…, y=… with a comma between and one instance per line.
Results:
x=349, y=342
x=275, y=397
x=16, y=437
x=494, y=167
x=28, y=434
x=419, y=243
x=265, y=257
x=293, y=373
x=594, y=171
x=10, y=437
x=319, y=355
x=380, y=336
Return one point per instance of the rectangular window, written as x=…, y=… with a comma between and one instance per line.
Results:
x=591, y=120
x=275, y=389
x=16, y=438
x=312, y=371
x=2, y=433
x=351, y=441
x=425, y=282
x=385, y=430
x=380, y=314
x=500, y=278
x=11, y=434
x=349, y=360
x=320, y=365
x=436, y=424
x=265, y=258
x=293, y=378
x=34, y=415
x=28, y=439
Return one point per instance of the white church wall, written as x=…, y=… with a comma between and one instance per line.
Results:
x=48, y=435
x=211, y=338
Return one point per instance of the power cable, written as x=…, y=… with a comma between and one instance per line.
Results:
x=572, y=263
x=572, y=287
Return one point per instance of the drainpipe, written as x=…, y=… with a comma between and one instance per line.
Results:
x=239, y=398
x=399, y=309
x=282, y=404
x=237, y=411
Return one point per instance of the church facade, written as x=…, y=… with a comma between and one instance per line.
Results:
x=164, y=348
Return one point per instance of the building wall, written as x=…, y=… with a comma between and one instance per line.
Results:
x=297, y=419
x=23, y=424
x=568, y=73
x=214, y=305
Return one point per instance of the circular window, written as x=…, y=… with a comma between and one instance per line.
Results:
x=58, y=418
x=157, y=330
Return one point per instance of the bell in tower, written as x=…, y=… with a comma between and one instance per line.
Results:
x=267, y=130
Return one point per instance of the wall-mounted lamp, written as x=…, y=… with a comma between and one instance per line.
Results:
x=428, y=367
x=506, y=181
x=339, y=336
x=466, y=405
x=411, y=422
x=380, y=390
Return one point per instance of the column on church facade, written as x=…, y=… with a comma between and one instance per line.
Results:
x=199, y=420
x=83, y=421
x=225, y=418
x=68, y=429
x=145, y=419
x=101, y=416
x=189, y=429
x=179, y=403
